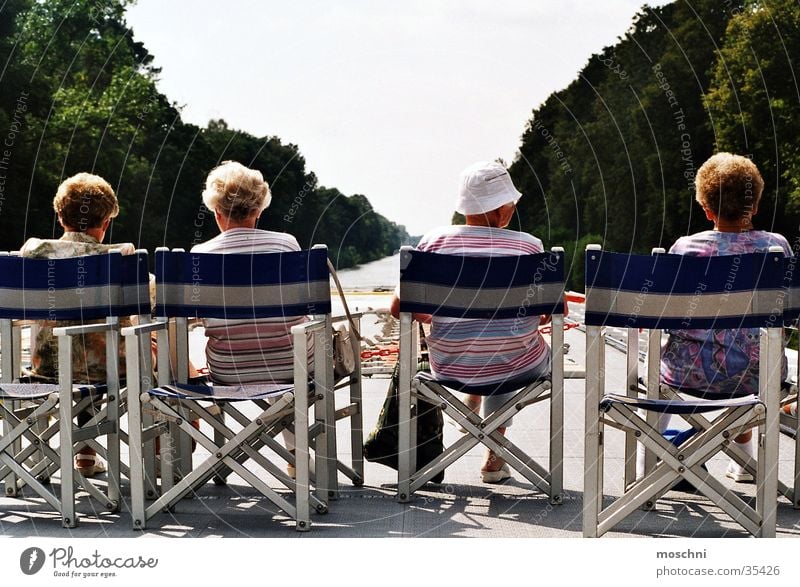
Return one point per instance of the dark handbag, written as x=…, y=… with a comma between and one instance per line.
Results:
x=381, y=444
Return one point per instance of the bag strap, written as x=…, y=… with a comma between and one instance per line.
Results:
x=423, y=344
x=353, y=328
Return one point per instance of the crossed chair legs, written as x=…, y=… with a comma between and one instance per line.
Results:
x=682, y=462
x=486, y=432
x=790, y=426
x=33, y=424
x=228, y=450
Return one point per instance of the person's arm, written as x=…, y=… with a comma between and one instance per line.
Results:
x=394, y=308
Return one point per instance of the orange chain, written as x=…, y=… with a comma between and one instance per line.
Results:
x=380, y=353
x=567, y=326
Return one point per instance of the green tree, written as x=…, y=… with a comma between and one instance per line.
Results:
x=754, y=103
x=79, y=94
x=613, y=155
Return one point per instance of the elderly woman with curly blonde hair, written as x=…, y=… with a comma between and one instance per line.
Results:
x=246, y=351
x=723, y=362
x=84, y=204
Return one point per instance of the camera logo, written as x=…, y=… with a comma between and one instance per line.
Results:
x=31, y=560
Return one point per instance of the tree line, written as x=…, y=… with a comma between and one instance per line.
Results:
x=78, y=93
x=611, y=158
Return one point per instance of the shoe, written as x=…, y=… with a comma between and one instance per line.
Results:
x=89, y=465
x=496, y=476
x=291, y=470
x=738, y=473
x=790, y=409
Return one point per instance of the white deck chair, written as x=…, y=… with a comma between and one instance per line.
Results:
x=790, y=425
x=92, y=288
x=233, y=286
x=486, y=288
x=675, y=291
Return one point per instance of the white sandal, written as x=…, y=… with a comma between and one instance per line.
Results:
x=496, y=476
x=95, y=467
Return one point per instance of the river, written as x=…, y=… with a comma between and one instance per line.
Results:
x=381, y=274
x=361, y=282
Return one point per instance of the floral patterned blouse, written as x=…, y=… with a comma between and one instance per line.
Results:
x=89, y=350
x=723, y=362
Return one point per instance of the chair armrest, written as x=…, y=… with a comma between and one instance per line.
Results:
x=574, y=373
x=83, y=329
x=140, y=329
x=342, y=317
x=415, y=317
x=311, y=326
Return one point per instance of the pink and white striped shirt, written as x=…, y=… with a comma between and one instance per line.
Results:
x=482, y=352
x=250, y=351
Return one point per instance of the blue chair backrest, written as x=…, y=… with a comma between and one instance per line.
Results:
x=673, y=291
x=791, y=283
x=75, y=288
x=242, y=286
x=135, y=284
x=481, y=287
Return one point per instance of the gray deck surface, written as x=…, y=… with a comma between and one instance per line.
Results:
x=461, y=507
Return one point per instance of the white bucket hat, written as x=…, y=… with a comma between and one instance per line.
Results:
x=483, y=187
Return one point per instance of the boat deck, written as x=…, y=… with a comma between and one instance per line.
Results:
x=461, y=507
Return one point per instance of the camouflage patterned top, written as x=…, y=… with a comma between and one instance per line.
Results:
x=88, y=351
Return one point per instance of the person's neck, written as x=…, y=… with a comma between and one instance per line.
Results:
x=226, y=223
x=96, y=233
x=740, y=225
x=230, y=225
x=480, y=220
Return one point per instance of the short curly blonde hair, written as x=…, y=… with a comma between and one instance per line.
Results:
x=85, y=201
x=235, y=191
x=729, y=185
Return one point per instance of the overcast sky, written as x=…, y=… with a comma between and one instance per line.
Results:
x=390, y=99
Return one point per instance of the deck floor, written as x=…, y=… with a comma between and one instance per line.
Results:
x=461, y=507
